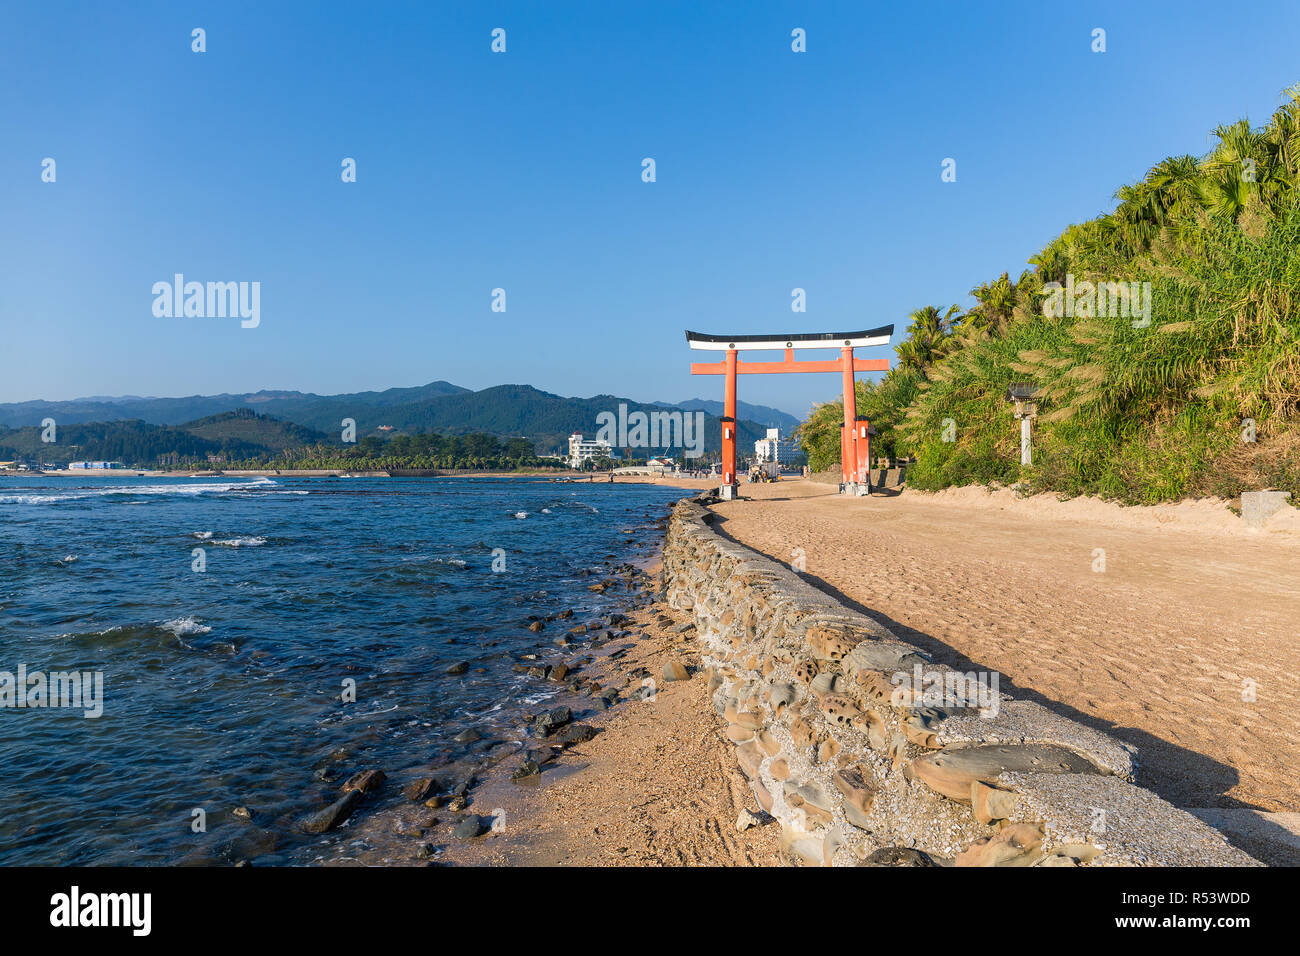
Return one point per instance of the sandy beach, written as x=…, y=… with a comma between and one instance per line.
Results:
x=1191, y=613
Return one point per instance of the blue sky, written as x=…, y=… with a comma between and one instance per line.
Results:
x=522, y=171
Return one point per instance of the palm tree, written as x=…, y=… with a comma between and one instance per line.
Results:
x=997, y=300
x=927, y=332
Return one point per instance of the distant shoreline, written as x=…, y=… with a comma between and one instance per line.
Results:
x=584, y=477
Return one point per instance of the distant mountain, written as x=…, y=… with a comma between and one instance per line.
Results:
x=506, y=411
x=759, y=414
x=290, y=405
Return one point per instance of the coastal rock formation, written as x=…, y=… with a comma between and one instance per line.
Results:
x=865, y=753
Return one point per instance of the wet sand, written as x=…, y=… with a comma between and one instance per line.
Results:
x=657, y=786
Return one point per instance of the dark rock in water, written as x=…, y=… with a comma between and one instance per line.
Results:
x=526, y=772
x=365, y=781
x=420, y=789
x=539, y=755
x=428, y=850
x=565, y=614
x=609, y=695
x=468, y=736
x=457, y=803
x=550, y=721
x=322, y=821
x=898, y=856
x=559, y=672
x=243, y=813
x=470, y=827
x=455, y=670
x=536, y=626
x=575, y=734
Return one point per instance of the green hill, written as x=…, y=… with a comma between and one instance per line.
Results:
x=245, y=428
x=1189, y=391
x=230, y=436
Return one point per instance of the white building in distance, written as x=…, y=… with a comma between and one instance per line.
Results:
x=581, y=450
x=775, y=448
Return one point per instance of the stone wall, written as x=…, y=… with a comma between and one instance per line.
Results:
x=861, y=765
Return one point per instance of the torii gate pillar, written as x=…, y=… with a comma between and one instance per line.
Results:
x=854, y=434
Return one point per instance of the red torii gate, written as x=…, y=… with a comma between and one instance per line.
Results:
x=855, y=446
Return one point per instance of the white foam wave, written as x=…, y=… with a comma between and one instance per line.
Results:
x=190, y=489
x=185, y=626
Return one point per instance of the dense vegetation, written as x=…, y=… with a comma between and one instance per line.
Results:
x=1126, y=410
x=244, y=439
x=422, y=451
x=131, y=442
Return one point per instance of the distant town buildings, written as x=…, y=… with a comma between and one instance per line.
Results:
x=774, y=448
x=582, y=449
x=662, y=465
x=95, y=465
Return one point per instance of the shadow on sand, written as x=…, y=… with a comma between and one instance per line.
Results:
x=1181, y=776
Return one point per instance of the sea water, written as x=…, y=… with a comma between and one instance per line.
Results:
x=232, y=619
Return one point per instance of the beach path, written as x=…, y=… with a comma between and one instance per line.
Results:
x=1163, y=648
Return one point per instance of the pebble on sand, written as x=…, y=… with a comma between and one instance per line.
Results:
x=675, y=670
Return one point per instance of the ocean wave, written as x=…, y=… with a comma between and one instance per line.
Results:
x=260, y=485
x=170, y=633
x=185, y=626
x=249, y=542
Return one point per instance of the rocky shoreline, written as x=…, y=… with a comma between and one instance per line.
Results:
x=730, y=714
